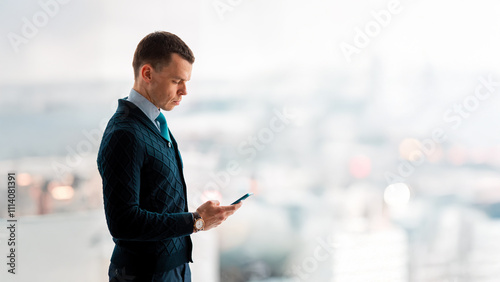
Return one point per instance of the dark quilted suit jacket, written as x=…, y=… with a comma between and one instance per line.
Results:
x=144, y=194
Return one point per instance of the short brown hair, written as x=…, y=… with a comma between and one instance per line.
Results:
x=156, y=49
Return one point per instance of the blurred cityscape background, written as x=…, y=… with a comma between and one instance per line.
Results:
x=367, y=131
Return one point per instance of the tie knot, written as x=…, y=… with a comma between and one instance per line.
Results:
x=161, y=119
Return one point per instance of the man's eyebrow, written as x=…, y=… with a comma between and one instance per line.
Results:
x=177, y=77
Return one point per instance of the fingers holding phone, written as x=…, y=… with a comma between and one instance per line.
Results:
x=213, y=214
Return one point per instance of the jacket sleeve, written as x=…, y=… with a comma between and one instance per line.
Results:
x=119, y=161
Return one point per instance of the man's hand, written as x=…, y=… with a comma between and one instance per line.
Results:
x=214, y=214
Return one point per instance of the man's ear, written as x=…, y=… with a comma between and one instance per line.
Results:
x=146, y=72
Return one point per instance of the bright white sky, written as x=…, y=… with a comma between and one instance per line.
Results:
x=95, y=39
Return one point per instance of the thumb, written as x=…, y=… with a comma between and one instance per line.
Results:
x=215, y=202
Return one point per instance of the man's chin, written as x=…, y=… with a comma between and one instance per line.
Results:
x=168, y=108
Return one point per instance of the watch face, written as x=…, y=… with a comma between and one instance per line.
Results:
x=199, y=224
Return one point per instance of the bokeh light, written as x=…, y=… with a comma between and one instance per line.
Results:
x=360, y=166
x=397, y=195
x=24, y=179
x=62, y=192
x=409, y=149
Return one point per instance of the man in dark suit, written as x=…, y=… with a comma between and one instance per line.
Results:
x=141, y=168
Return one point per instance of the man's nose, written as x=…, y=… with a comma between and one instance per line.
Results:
x=182, y=89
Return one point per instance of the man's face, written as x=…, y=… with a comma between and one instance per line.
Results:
x=168, y=85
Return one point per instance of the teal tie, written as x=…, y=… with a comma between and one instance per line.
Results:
x=163, y=127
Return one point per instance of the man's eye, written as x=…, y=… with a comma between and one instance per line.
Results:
x=176, y=81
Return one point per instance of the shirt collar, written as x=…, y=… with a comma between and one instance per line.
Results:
x=148, y=108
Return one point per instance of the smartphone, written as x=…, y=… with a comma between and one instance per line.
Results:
x=242, y=198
